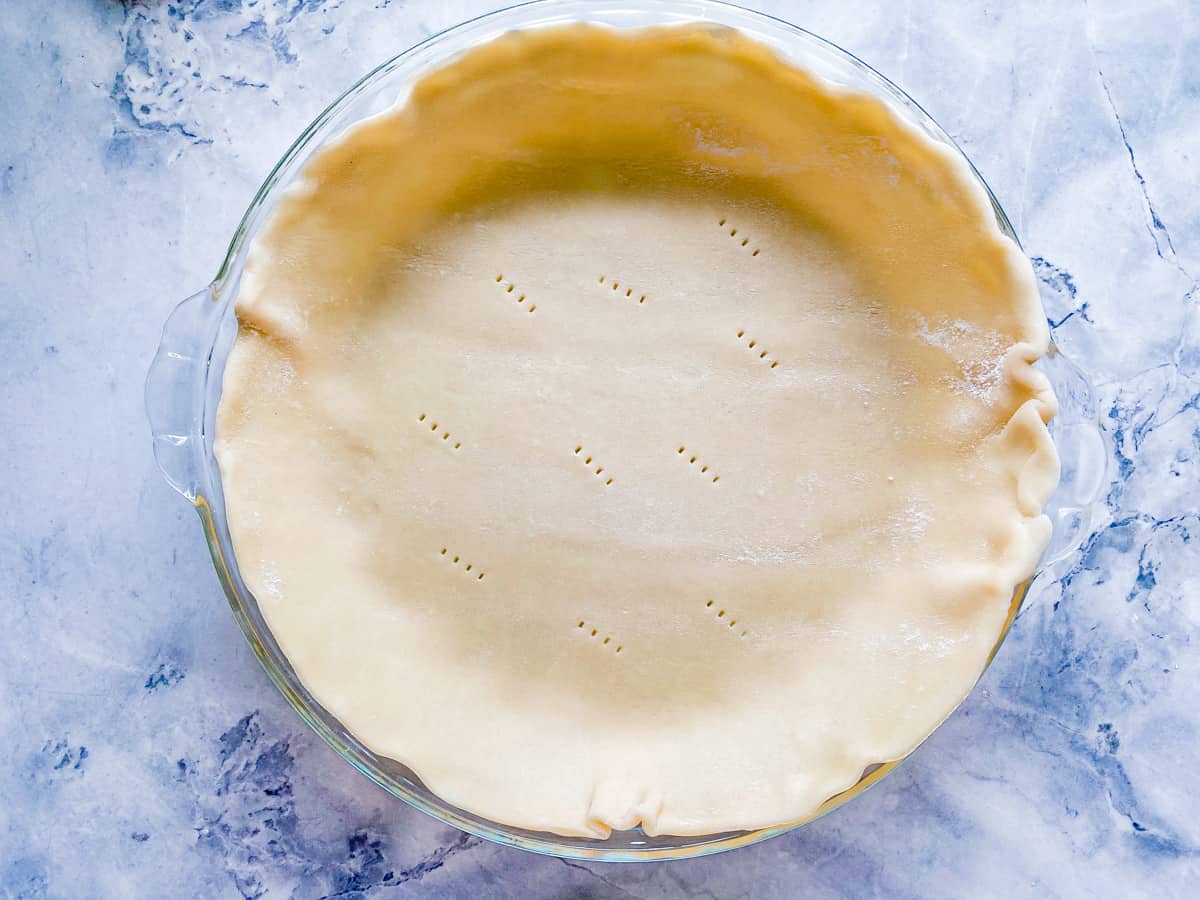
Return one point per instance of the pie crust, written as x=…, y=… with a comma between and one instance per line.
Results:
x=630, y=429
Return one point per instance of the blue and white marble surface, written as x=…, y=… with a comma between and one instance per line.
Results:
x=147, y=754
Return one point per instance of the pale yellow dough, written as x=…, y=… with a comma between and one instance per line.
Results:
x=630, y=429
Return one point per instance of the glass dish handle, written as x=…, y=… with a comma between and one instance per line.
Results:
x=175, y=390
x=1086, y=451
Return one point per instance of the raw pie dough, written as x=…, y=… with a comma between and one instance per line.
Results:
x=628, y=429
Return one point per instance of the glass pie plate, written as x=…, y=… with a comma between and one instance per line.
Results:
x=183, y=388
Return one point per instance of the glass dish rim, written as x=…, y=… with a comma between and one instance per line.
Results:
x=205, y=318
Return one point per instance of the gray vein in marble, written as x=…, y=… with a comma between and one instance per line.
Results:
x=1155, y=227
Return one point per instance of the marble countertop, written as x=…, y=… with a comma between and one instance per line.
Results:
x=148, y=754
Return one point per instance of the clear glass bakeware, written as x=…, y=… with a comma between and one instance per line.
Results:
x=183, y=388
